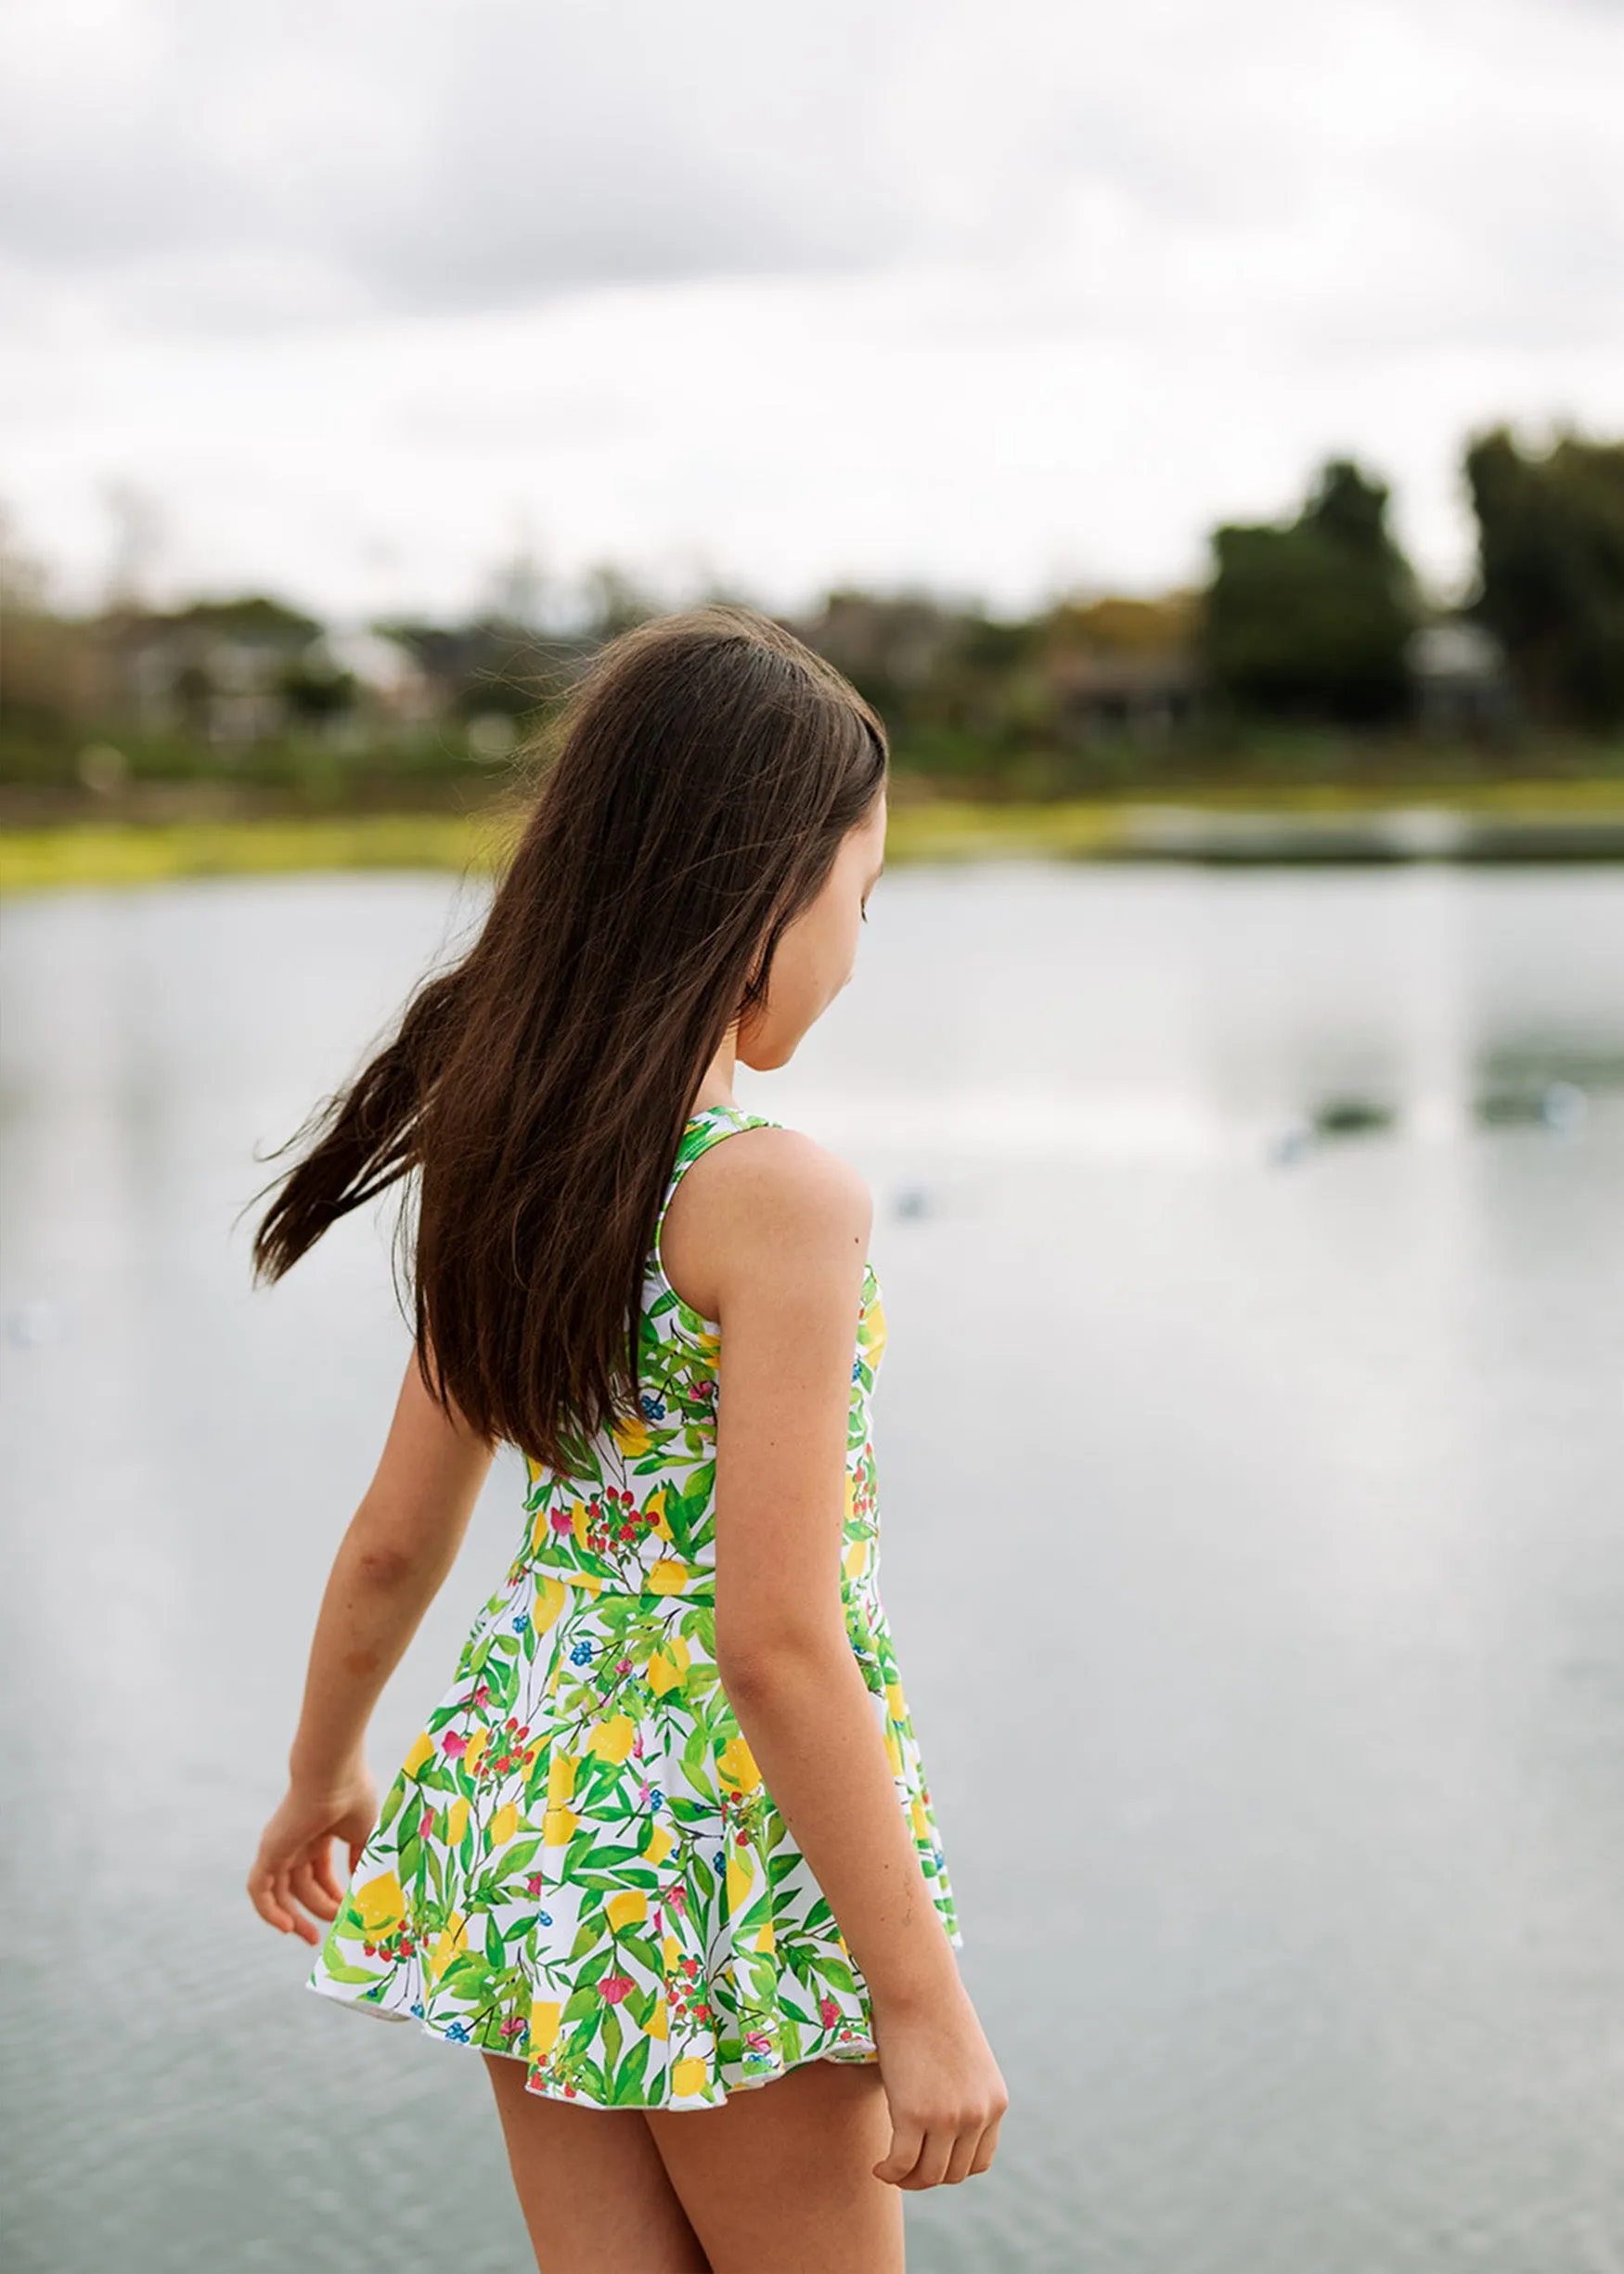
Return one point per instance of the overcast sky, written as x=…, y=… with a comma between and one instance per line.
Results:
x=354, y=301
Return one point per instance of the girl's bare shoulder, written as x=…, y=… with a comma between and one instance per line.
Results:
x=764, y=1198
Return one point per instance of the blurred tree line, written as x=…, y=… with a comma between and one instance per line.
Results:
x=1310, y=650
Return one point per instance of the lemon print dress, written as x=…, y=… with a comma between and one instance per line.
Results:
x=578, y=1864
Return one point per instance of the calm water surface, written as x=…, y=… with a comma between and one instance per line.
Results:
x=1254, y=1546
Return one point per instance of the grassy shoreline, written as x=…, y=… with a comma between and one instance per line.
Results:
x=1308, y=822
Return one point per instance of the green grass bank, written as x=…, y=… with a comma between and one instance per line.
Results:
x=1497, y=821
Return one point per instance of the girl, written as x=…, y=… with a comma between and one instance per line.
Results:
x=664, y=1851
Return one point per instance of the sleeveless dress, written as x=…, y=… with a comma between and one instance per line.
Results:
x=578, y=1864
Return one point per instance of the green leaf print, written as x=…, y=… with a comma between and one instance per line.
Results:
x=628, y=2083
x=590, y=1933
x=581, y=2003
x=341, y=1971
x=638, y=1947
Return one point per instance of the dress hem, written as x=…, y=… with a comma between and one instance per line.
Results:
x=864, y=2055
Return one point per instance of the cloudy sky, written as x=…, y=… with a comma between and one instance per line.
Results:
x=357, y=299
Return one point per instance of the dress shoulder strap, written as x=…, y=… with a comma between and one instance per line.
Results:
x=704, y=1129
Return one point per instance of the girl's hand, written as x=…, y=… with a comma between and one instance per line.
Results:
x=294, y=1865
x=945, y=2092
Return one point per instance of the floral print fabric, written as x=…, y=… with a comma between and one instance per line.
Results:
x=578, y=1864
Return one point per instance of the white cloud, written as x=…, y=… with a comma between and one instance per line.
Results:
x=884, y=289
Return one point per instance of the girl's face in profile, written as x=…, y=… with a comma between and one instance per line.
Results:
x=815, y=958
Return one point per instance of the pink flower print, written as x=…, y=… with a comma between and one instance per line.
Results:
x=453, y=1745
x=483, y=1695
x=532, y=1885
x=613, y=1987
x=643, y=1789
x=827, y=2012
x=514, y=2025
x=638, y=1738
x=425, y=1824
x=758, y=2041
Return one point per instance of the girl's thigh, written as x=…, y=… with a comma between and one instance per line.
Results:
x=591, y=2185
x=783, y=2176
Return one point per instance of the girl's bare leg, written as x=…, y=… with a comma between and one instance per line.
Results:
x=591, y=2185
x=782, y=2176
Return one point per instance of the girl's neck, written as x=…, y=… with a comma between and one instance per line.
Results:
x=716, y=1089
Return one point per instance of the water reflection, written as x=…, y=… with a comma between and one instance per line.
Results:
x=1254, y=1543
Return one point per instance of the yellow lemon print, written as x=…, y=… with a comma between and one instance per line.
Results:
x=655, y=1506
x=452, y=1942
x=457, y=1821
x=631, y=1434
x=669, y=1949
x=658, y=1845
x=628, y=1910
x=668, y=1665
x=741, y=1879
x=421, y=1754
x=736, y=1766
x=504, y=1824
x=894, y=1752
x=921, y=1823
x=545, y=2013
x=688, y=2076
x=659, y=2025
x=380, y=1902
x=560, y=1778
x=558, y=1827
x=476, y=1750
x=612, y=1739
x=551, y=1599
x=856, y=1557
x=766, y=1939
x=667, y=1577
x=897, y=1705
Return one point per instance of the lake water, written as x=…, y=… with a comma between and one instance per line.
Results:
x=1255, y=1507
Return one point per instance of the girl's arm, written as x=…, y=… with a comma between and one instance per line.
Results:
x=389, y=1566
x=785, y=1258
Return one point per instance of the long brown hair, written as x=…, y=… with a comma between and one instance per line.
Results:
x=696, y=792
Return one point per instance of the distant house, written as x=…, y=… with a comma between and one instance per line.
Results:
x=222, y=670
x=1125, y=668
x=233, y=673
x=1458, y=672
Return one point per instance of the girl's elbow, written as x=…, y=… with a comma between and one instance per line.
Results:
x=758, y=1669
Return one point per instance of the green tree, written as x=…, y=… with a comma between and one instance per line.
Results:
x=1550, y=572
x=1309, y=619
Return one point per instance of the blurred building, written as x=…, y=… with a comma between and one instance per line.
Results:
x=1458, y=674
